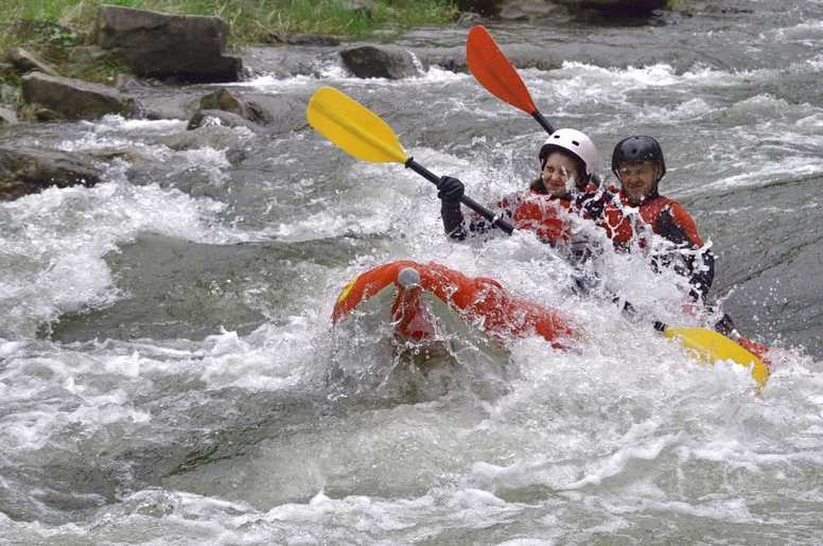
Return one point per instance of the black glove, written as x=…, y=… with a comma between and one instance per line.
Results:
x=725, y=325
x=451, y=189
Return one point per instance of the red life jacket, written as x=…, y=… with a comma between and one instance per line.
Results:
x=543, y=215
x=546, y=215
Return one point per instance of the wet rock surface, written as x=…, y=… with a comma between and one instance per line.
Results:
x=53, y=97
x=380, y=62
x=187, y=48
x=29, y=170
x=388, y=62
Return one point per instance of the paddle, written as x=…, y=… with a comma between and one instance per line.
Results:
x=364, y=135
x=496, y=73
x=709, y=346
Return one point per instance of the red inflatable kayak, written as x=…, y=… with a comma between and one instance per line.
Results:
x=477, y=300
x=483, y=302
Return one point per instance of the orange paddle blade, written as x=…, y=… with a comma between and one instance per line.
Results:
x=495, y=72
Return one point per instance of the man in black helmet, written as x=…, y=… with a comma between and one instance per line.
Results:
x=638, y=163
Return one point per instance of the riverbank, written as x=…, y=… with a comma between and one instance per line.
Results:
x=53, y=25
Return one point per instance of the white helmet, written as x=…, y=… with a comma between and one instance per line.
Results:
x=575, y=142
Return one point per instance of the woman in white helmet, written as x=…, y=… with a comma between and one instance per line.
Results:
x=567, y=163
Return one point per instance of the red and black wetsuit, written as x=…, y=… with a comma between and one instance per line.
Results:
x=534, y=210
x=668, y=219
x=539, y=212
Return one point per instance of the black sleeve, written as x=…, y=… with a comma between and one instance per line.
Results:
x=452, y=218
x=697, y=265
x=454, y=223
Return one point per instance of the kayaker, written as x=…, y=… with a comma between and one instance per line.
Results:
x=638, y=163
x=567, y=162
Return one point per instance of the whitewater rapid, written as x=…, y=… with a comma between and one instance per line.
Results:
x=169, y=373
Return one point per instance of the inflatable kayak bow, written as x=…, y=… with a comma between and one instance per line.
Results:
x=478, y=300
x=484, y=302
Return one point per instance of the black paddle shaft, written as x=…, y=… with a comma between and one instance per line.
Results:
x=466, y=200
x=542, y=121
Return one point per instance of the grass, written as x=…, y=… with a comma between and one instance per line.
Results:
x=50, y=28
x=71, y=22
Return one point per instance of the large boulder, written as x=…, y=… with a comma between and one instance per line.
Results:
x=188, y=48
x=380, y=62
x=30, y=170
x=278, y=113
x=52, y=98
x=225, y=100
x=205, y=118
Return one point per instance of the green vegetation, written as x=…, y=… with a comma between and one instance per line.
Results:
x=70, y=22
x=51, y=28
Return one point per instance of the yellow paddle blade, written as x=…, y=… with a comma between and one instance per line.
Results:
x=353, y=127
x=711, y=346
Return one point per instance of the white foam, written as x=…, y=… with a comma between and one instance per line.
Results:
x=56, y=240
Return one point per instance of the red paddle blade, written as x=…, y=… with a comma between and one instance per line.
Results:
x=495, y=72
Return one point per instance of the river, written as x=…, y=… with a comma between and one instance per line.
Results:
x=169, y=373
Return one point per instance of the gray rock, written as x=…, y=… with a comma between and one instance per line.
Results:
x=205, y=118
x=7, y=116
x=281, y=114
x=26, y=61
x=188, y=48
x=168, y=106
x=380, y=62
x=49, y=97
x=252, y=110
x=31, y=170
x=225, y=100
x=448, y=58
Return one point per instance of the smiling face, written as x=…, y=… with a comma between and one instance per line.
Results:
x=560, y=174
x=639, y=179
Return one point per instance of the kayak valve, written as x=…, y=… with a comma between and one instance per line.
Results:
x=408, y=277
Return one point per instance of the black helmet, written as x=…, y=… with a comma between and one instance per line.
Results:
x=638, y=148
